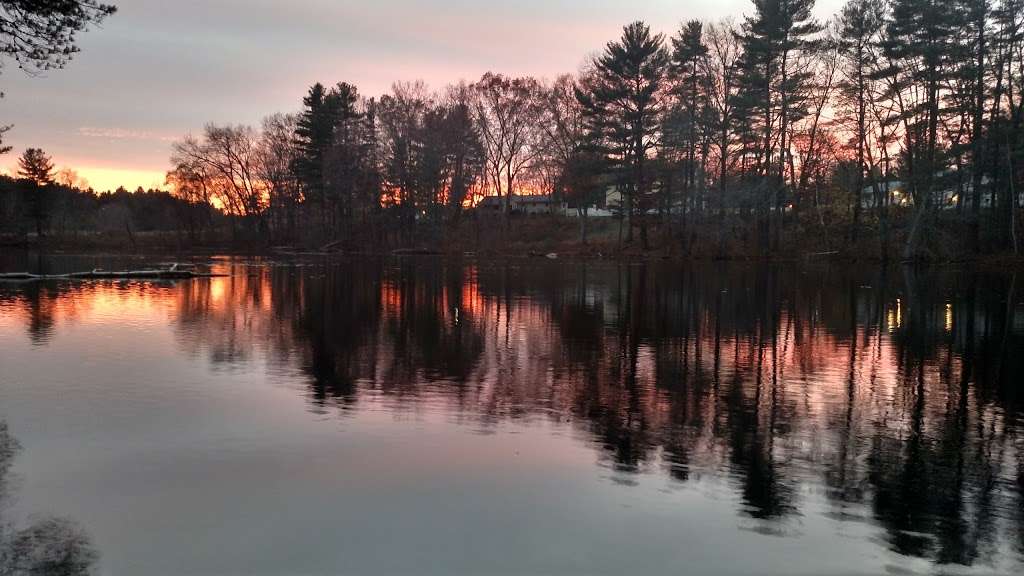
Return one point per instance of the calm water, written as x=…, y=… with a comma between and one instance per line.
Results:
x=425, y=417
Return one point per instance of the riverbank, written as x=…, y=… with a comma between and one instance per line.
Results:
x=540, y=236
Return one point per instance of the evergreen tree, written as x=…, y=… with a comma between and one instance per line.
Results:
x=774, y=90
x=40, y=34
x=314, y=133
x=623, y=102
x=344, y=164
x=327, y=145
x=4, y=149
x=858, y=27
x=464, y=150
x=920, y=47
x=406, y=166
x=582, y=183
x=36, y=170
x=973, y=75
x=36, y=165
x=689, y=66
x=1006, y=139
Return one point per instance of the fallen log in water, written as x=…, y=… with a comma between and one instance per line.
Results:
x=174, y=272
x=414, y=252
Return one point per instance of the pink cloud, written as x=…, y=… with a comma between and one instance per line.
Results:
x=121, y=134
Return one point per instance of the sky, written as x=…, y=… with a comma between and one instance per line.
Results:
x=158, y=70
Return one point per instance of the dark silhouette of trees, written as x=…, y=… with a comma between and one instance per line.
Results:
x=724, y=51
x=36, y=166
x=858, y=27
x=562, y=130
x=623, y=100
x=191, y=183
x=276, y=154
x=314, y=136
x=330, y=161
x=40, y=35
x=691, y=133
x=433, y=156
x=4, y=149
x=228, y=159
x=899, y=123
x=409, y=152
x=773, y=95
x=351, y=165
x=895, y=130
x=582, y=183
x=462, y=149
x=918, y=43
x=507, y=112
x=36, y=171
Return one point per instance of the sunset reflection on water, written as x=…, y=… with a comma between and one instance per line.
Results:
x=869, y=420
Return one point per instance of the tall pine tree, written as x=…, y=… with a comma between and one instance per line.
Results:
x=689, y=66
x=623, y=102
x=858, y=27
x=324, y=140
x=773, y=92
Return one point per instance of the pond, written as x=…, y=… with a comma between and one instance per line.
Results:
x=427, y=416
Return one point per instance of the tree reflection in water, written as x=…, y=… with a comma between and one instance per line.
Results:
x=895, y=393
x=48, y=546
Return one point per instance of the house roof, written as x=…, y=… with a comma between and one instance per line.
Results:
x=491, y=201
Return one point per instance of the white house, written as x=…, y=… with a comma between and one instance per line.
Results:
x=522, y=204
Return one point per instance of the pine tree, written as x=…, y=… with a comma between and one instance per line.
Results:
x=1006, y=140
x=623, y=102
x=313, y=135
x=859, y=23
x=973, y=75
x=690, y=69
x=36, y=165
x=42, y=35
x=325, y=141
x=4, y=149
x=36, y=169
x=774, y=90
x=920, y=46
x=463, y=148
x=343, y=169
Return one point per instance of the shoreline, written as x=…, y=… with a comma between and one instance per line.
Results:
x=567, y=254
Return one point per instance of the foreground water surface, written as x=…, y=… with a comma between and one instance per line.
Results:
x=419, y=416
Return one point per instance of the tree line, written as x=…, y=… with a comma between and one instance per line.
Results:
x=891, y=127
x=892, y=130
x=47, y=202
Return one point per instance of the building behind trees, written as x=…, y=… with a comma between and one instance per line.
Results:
x=740, y=138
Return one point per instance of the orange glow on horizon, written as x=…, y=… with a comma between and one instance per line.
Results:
x=104, y=179
x=109, y=179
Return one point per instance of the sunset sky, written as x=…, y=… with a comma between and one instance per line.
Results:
x=158, y=70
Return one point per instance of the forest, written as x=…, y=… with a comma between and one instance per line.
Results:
x=891, y=131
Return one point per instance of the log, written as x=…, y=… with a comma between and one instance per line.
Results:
x=174, y=272
x=414, y=252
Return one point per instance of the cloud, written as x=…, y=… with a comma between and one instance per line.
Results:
x=121, y=134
